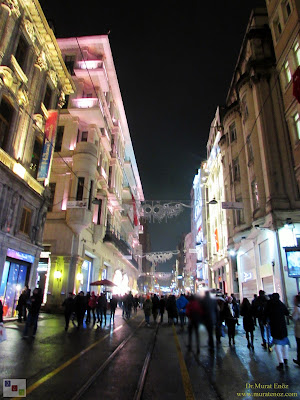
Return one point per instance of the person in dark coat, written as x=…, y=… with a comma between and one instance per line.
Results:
x=68, y=304
x=230, y=319
x=155, y=306
x=162, y=307
x=92, y=305
x=259, y=311
x=172, y=309
x=80, y=308
x=113, y=305
x=147, y=307
x=248, y=322
x=34, y=305
x=194, y=312
x=88, y=308
x=209, y=318
x=101, y=309
x=276, y=313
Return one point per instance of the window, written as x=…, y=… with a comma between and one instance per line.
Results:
x=25, y=220
x=36, y=155
x=65, y=106
x=297, y=53
x=236, y=170
x=80, y=187
x=232, y=132
x=245, y=111
x=296, y=122
x=238, y=215
x=59, y=138
x=277, y=28
x=91, y=193
x=70, y=61
x=21, y=52
x=286, y=9
x=255, y=196
x=287, y=72
x=47, y=97
x=250, y=149
x=52, y=187
x=6, y=114
x=84, y=136
x=99, y=212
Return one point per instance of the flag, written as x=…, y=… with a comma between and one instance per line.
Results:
x=135, y=217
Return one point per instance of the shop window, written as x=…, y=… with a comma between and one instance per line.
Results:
x=52, y=187
x=6, y=115
x=25, y=220
x=80, y=187
x=21, y=52
x=59, y=138
x=36, y=156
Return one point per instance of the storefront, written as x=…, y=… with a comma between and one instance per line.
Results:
x=14, y=277
x=85, y=275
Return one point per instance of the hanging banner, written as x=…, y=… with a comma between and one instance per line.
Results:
x=49, y=141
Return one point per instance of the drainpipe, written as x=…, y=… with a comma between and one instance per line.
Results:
x=281, y=271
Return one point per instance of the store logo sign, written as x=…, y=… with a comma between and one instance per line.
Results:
x=14, y=387
x=247, y=276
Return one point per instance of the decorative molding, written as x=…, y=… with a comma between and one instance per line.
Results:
x=23, y=98
x=6, y=75
x=30, y=29
x=53, y=77
x=41, y=62
x=62, y=99
x=12, y=6
x=18, y=70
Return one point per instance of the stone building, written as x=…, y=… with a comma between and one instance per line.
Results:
x=92, y=227
x=33, y=84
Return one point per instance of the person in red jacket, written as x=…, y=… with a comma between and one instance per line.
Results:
x=92, y=304
x=193, y=311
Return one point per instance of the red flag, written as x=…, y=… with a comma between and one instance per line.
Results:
x=135, y=217
x=217, y=239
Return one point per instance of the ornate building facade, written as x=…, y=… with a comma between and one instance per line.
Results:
x=92, y=227
x=33, y=84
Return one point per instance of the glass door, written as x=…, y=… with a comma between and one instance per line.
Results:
x=16, y=280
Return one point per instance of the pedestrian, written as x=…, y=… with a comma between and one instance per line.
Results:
x=194, y=312
x=129, y=305
x=135, y=304
x=230, y=319
x=276, y=313
x=248, y=322
x=33, y=304
x=220, y=319
x=21, y=306
x=92, y=306
x=181, y=304
x=237, y=307
x=296, y=318
x=147, y=307
x=80, y=308
x=155, y=306
x=162, y=307
x=259, y=309
x=101, y=309
x=88, y=308
x=252, y=304
x=113, y=305
x=171, y=308
x=209, y=317
x=68, y=304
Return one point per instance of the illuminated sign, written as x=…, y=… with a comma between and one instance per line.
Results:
x=247, y=276
x=20, y=256
x=293, y=261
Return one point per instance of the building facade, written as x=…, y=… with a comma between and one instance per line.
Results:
x=92, y=227
x=33, y=84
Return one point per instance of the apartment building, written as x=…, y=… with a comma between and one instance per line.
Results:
x=92, y=227
x=34, y=82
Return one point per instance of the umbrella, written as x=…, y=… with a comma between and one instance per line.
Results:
x=103, y=282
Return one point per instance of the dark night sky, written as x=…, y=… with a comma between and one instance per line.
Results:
x=174, y=62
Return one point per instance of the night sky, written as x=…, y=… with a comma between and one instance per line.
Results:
x=174, y=62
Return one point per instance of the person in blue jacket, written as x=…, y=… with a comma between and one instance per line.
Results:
x=181, y=303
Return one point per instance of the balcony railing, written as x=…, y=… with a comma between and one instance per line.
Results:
x=114, y=237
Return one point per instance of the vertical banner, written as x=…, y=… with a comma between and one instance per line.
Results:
x=49, y=142
x=135, y=217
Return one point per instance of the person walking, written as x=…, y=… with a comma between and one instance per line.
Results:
x=155, y=306
x=92, y=306
x=88, y=308
x=194, y=312
x=209, y=317
x=80, y=307
x=230, y=319
x=68, y=304
x=113, y=305
x=296, y=318
x=276, y=313
x=135, y=304
x=259, y=308
x=162, y=307
x=248, y=322
x=101, y=309
x=252, y=304
x=171, y=308
x=181, y=304
x=34, y=305
x=147, y=307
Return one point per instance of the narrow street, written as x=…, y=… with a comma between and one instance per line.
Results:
x=97, y=363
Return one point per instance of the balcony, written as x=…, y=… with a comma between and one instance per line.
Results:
x=89, y=110
x=94, y=69
x=105, y=140
x=78, y=216
x=113, y=237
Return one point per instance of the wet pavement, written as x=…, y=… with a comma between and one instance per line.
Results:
x=56, y=364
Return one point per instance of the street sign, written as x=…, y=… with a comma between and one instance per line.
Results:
x=232, y=205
